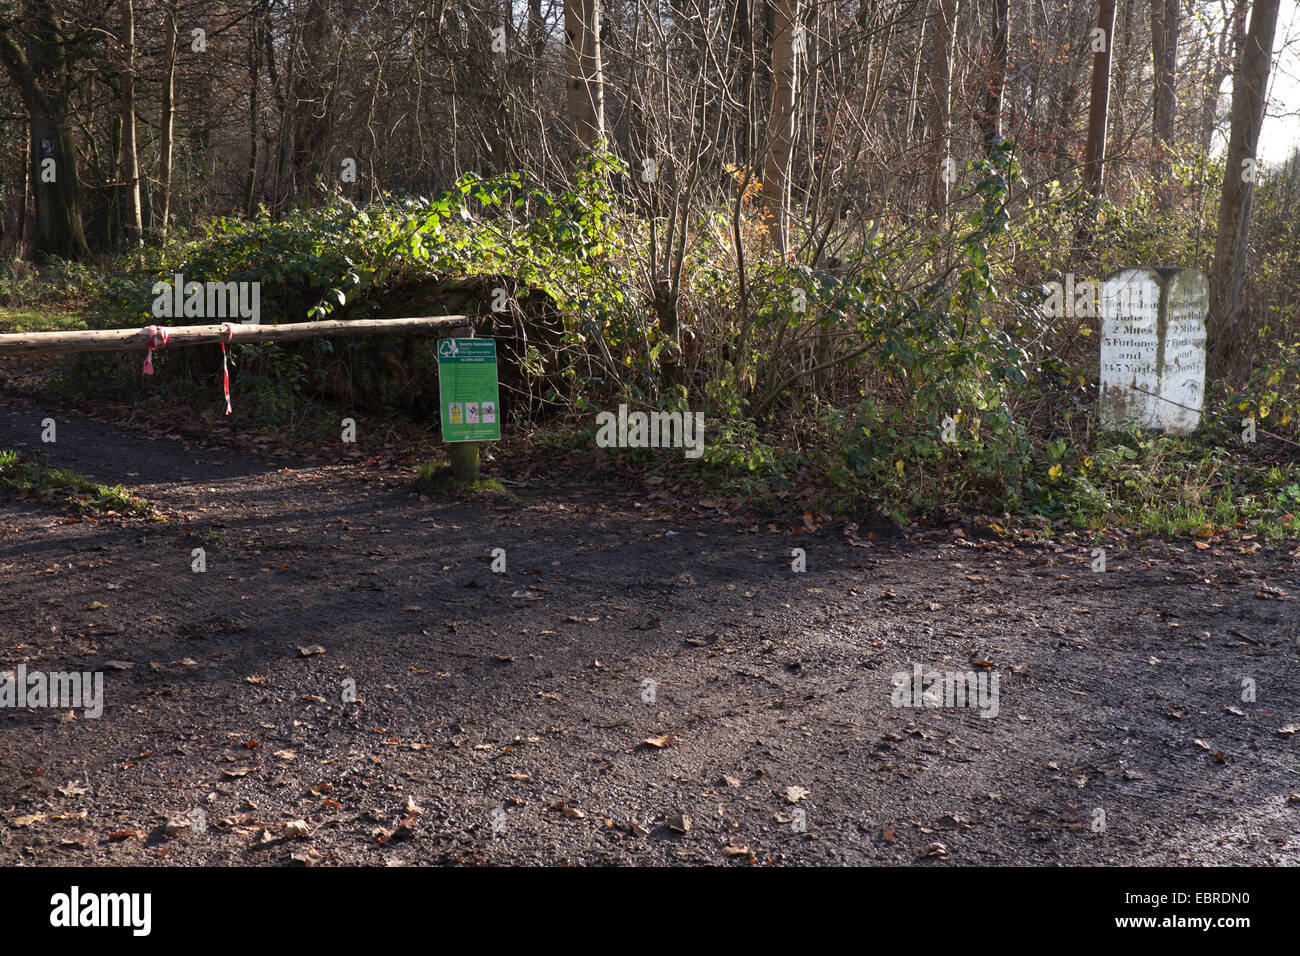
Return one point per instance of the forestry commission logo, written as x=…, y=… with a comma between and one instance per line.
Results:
x=76, y=909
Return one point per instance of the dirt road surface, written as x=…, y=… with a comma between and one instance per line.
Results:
x=1144, y=715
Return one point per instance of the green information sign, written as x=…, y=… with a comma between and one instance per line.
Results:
x=467, y=389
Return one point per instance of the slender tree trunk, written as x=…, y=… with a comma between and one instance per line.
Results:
x=1094, y=169
x=27, y=192
x=255, y=42
x=1119, y=56
x=940, y=85
x=166, y=123
x=1164, y=54
x=586, y=83
x=114, y=208
x=1248, y=99
x=130, y=159
x=914, y=98
x=780, y=123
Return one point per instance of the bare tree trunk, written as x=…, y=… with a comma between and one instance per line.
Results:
x=1164, y=54
x=1120, y=54
x=780, y=121
x=255, y=45
x=1094, y=170
x=27, y=194
x=166, y=123
x=40, y=71
x=1248, y=100
x=130, y=159
x=586, y=92
x=313, y=95
x=1223, y=61
x=989, y=115
x=940, y=83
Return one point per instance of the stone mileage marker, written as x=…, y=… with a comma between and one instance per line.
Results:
x=1153, y=349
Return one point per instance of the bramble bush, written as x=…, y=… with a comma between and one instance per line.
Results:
x=913, y=369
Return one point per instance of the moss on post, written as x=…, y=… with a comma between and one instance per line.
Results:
x=464, y=460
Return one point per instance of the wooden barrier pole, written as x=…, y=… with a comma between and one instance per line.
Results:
x=464, y=455
x=38, y=343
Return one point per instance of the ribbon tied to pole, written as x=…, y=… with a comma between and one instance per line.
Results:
x=158, y=338
x=225, y=369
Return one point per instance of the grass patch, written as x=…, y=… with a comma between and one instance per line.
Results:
x=1182, y=487
x=436, y=478
x=61, y=486
x=40, y=320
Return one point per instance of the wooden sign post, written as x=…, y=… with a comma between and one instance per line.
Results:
x=469, y=401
